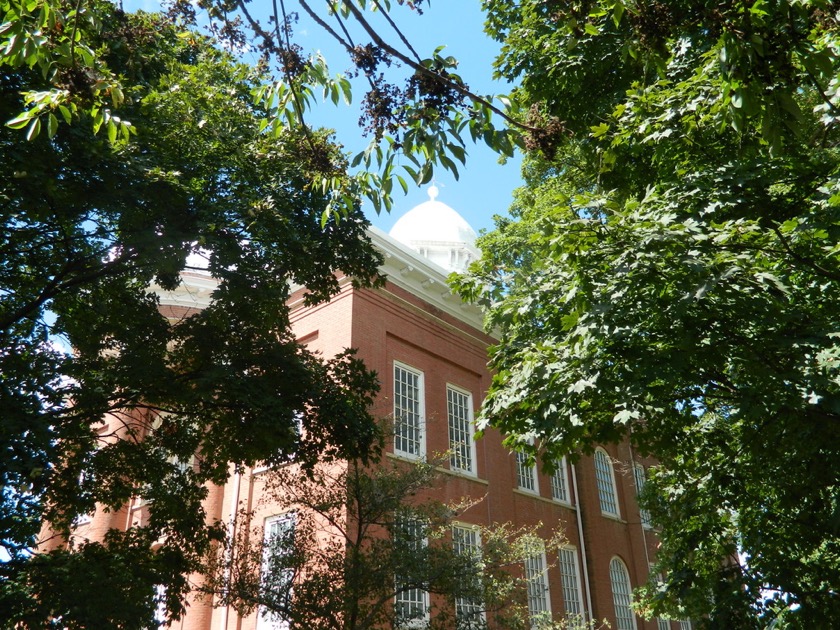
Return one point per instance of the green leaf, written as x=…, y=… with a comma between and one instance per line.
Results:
x=412, y=172
x=20, y=121
x=618, y=12
x=426, y=174
x=346, y=90
x=52, y=125
x=98, y=119
x=65, y=113
x=34, y=129
x=600, y=130
x=117, y=96
x=449, y=165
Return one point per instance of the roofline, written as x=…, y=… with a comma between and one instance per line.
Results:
x=420, y=276
x=402, y=266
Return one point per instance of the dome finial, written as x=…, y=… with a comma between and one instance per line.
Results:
x=433, y=192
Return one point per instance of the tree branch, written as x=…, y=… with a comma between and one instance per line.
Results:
x=417, y=67
x=807, y=261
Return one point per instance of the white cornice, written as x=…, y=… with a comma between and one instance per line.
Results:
x=402, y=266
x=423, y=278
x=194, y=291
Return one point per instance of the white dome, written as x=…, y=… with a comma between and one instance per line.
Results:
x=437, y=232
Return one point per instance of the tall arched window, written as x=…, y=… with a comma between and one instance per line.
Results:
x=621, y=592
x=641, y=478
x=605, y=478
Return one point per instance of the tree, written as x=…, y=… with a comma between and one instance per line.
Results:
x=418, y=111
x=671, y=274
x=94, y=228
x=351, y=539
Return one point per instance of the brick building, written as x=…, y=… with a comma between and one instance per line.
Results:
x=430, y=352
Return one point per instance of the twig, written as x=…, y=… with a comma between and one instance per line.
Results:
x=825, y=272
x=399, y=33
x=418, y=67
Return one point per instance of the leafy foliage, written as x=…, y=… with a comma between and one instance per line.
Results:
x=350, y=553
x=95, y=230
x=671, y=274
x=418, y=111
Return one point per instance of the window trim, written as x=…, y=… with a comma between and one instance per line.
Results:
x=421, y=410
x=476, y=530
x=640, y=479
x=578, y=586
x=274, y=621
x=535, y=616
x=567, y=490
x=617, y=565
x=611, y=487
x=400, y=520
x=470, y=421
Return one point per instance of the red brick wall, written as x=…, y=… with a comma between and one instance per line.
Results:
x=394, y=325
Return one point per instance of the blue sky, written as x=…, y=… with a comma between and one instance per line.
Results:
x=485, y=186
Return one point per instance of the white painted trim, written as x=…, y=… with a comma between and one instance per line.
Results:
x=402, y=267
x=473, y=472
x=421, y=393
x=194, y=291
x=421, y=277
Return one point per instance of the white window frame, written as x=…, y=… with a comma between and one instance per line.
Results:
x=414, y=596
x=640, y=478
x=560, y=490
x=468, y=613
x=622, y=593
x=605, y=480
x=461, y=438
x=526, y=475
x=539, y=596
x=567, y=562
x=402, y=439
x=268, y=620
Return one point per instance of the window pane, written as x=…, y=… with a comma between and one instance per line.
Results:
x=560, y=484
x=535, y=574
x=571, y=581
x=526, y=474
x=468, y=612
x=606, y=483
x=277, y=570
x=459, y=409
x=411, y=601
x=408, y=420
x=639, y=477
x=620, y=582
